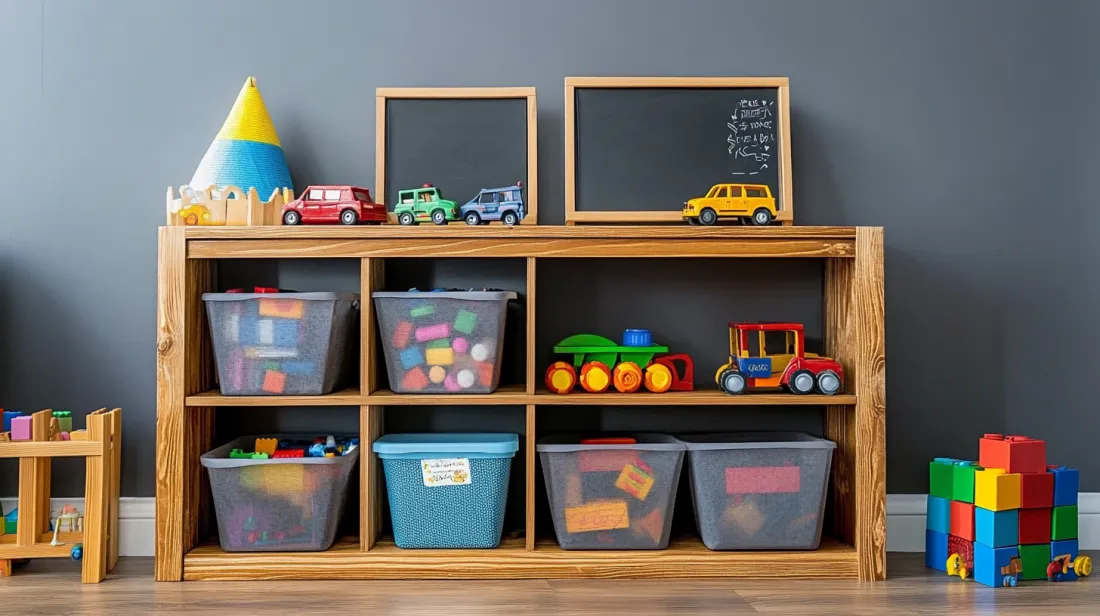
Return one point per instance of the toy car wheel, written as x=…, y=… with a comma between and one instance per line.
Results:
x=509, y=218
x=801, y=382
x=191, y=219
x=708, y=217
x=473, y=219
x=406, y=218
x=77, y=552
x=1082, y=566
x=439, y=217
x=828, y=382
x=954, y=562
x=348, y=217
x=692, y=221
x=732, y=382
x=292, y=218
x=761, y=217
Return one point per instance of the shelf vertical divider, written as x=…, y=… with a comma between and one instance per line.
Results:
x=371, y=278
x=532, y=371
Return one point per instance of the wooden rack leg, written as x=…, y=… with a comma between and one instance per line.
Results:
x=34, y=488
x=370, y=469
x=96, y=507
x=529, y=481
x=114, y=473
x=5, y=568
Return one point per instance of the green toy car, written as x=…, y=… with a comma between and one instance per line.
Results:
x=423, y=204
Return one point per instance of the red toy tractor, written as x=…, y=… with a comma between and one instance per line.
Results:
x=791, y=368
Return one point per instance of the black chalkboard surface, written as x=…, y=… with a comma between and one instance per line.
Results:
x=642, y=150
x=459, y=145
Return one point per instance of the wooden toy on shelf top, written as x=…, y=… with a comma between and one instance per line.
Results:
x=347, y=205
x=244, y=163
x=1001, y=525
x=791, y=368
x=91, y=537
x=417, y=205
x=627, y=367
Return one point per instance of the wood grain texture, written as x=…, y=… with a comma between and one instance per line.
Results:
x=868, y=312
x=343, y=397
x=840, y=428
x=96, y=503
x=529, y=306
x=508, y=92
x=380, y=151
x=34, y=485
x=684, y=559
x=784, y=216
x=570, y=153
x=529, y=478
x=362, y=232
x=114, y=488
x=786, y=190
x=371, y=425
x=841, y=342
x=171, y=311
x=437, y=248
x=531, y=194
x=372, y=278
x=513, y=395
x=676, y=82
x=699, y=397
x=48, y=449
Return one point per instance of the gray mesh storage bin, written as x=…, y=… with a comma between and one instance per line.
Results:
x=759, y=490
x=607, y=496
x=278, y=504
x=443, y=341
x=280, y=344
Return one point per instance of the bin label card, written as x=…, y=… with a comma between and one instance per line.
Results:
x=763, y=480
x=635, y=482
x=605, y=515
x=446, y=472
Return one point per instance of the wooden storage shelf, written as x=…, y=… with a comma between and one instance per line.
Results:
x=684, y=558
x=187, y=401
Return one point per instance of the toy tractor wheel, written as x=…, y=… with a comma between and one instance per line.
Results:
x=761, y=217
x=627, y=377
x=708, y=217
x=1082, y=566
x=439, y=217
x=77, y=552
x=828, y=382
x=595, y=377
x=406, y=218
x=1009, y=580
x=473, y=219
x=191, y=219
x=732, y=382
x=560, y=377
x=349, y=217
x=292, y=218
x=658, y=378
x=510, y=219
x=801, y=382
x=954, y=563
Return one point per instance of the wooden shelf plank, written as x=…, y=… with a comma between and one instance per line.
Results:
x=667, y=232
x=504, y=395
x=344, y=397
x=685, y=558
x=50, y=449
x=704, y=397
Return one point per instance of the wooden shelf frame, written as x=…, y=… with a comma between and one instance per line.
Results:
x=186, y=401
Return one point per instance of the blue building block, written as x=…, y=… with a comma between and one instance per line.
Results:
x=996, y=529
x=286, y=333
x=1066, y=546
x=8, y=416
x=1066, y=483
x=935, y=550
x=990, y=564
x=297, y=367
x=939, y=514
x=248, y=331
x=411, y=357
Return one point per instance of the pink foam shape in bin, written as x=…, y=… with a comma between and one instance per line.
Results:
x=21, y=428
x=236, y=370
x=401, y=334
x=460, y=345
x=763, y=480
x=433, y=332
x=451, y=383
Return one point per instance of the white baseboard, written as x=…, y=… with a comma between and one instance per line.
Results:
x=905, y=522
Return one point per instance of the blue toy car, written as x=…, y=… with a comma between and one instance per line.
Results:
x=504, y=204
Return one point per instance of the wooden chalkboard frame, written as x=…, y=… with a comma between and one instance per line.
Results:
x=572, y=84
x=527, y=93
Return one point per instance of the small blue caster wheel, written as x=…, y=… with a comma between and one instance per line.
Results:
x=637, y=338
x=77, y=552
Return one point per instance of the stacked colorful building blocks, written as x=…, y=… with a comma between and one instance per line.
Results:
x=1006, y=517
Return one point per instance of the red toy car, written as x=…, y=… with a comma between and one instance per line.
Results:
x=347, y=205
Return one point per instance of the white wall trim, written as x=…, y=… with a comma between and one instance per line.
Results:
x=904, y=522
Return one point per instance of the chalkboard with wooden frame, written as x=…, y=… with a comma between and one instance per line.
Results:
x=460, y=140
x=637, y=148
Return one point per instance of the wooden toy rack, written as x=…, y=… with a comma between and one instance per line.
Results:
x=854, y=545
x=99, y=537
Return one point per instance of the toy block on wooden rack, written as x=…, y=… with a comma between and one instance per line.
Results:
x=1014, y=454
x=96, y=542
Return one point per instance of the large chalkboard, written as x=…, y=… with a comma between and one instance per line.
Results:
x=639, y=152
x=458, y=140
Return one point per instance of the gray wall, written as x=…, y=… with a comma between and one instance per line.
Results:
x=967, y=129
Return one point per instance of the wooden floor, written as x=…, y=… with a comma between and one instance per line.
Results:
x=53, y=587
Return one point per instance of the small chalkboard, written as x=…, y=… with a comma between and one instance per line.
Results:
x=637, y=148
x=460, y=140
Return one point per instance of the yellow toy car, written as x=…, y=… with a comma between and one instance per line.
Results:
x=194, y=214
x=750, y=203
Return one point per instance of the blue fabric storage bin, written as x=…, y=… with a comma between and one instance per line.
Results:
x=447, y=490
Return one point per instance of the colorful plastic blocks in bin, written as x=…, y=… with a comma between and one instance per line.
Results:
x=612, y=493
x=447, y=490
x=443, y=341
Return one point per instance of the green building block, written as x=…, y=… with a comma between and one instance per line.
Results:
x=1035, y=560
x=422, y=310
x=439, y=344
x=962, y=481
x=941, y=472
x=64, y=420
x=465, y=321
x=1063, y=523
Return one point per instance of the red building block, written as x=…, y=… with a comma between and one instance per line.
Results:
x=1036, y=490
x=1034, y=526
x=962, y=520
x=965, y=550
x=1014, y=454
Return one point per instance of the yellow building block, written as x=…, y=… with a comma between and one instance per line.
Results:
x=996, y=490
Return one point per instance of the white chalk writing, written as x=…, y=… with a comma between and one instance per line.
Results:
x=752, y=136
